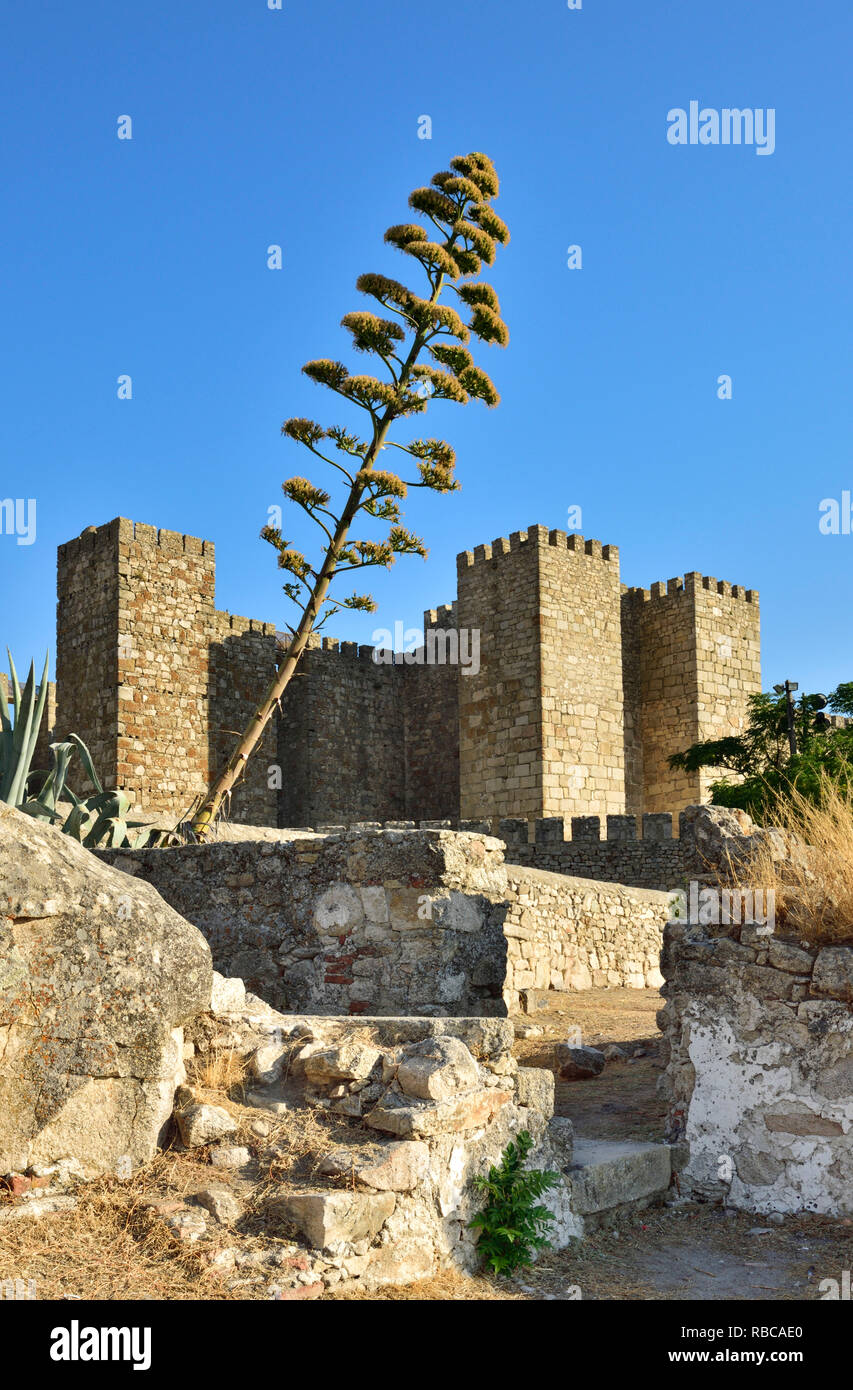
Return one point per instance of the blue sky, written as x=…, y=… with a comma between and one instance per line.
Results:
x=299, y=127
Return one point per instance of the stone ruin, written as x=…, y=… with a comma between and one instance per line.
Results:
x=107, y=993
x=366, y=982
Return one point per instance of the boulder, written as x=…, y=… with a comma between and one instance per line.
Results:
x=97, y=977
x=437, y=1069
x=578, y=1063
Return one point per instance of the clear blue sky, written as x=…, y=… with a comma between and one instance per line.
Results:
x=300, y=127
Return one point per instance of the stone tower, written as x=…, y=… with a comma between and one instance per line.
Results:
x=695, y=658
x=149, y=674
x=541, y=727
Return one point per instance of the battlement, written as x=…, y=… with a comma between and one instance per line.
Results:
x=444, y=616
x=351, y=651
x=533, y=537
x=689, y=583
x=121, y=530
x=243, y=625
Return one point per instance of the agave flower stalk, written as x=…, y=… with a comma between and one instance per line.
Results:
x=464, y=233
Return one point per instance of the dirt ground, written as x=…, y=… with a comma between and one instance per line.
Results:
x=111, y=1246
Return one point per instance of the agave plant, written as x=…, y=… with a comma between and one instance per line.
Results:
x=99, y=820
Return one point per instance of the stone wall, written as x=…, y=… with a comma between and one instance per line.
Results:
x=758, y=1041
x=401, y=921
x=575, y=934
x=367, y=740
x=656, y=861
x=584, y=688
x=384, y=922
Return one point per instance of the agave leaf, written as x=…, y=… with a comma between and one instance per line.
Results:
x=25, y=707
x=54, y=785
x=7, y=761
x=39, y=811
x=37, y=716
x=86, y=760
x=109, y=804
x=74, y=825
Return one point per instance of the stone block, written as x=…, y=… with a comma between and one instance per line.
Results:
x=327, y=1218
x=422, y=1120
x=833, y=973
x=605, y=1174
x=437, y=1068
x=534, y=1087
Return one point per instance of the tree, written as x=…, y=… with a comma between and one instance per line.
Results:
x=761, y=755
x=466, y=230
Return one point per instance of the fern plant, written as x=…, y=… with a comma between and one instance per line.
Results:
x=513, y=1223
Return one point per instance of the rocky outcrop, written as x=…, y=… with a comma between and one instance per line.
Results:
x=97, y=977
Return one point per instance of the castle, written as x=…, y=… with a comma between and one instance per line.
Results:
x=584, y=687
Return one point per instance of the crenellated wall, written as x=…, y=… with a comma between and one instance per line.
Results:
x=696, y=644
x=581, y=690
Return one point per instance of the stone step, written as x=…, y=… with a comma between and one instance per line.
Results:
x=605, y=1174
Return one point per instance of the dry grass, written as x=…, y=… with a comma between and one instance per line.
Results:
x=110, y=1246
x=219, y=1071
x=813, y=882
x=449, y=1286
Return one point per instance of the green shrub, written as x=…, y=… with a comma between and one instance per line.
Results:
x=512, y=1224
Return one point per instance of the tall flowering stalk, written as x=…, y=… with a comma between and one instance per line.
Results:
x=464, y=233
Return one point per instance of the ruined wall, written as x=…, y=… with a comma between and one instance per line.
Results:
x=402, y=921
x=758, y=1040
x=575, y=934
x=383, y=922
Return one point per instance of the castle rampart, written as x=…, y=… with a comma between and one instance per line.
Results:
x=581, y=690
